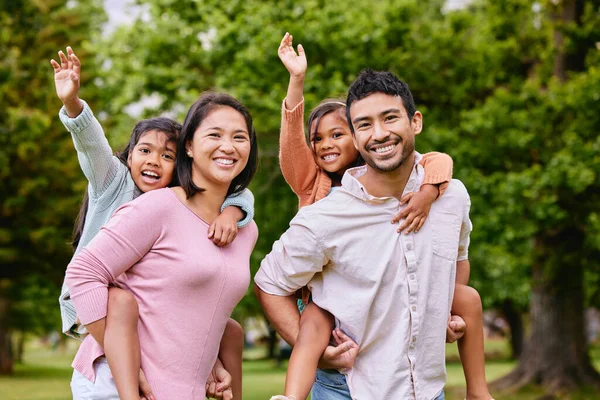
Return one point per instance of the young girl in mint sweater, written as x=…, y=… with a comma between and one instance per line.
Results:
x=147, y=163
x=315, y=170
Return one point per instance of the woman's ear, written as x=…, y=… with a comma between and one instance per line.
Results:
x=188, y=149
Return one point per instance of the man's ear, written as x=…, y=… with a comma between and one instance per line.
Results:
x=417, y=122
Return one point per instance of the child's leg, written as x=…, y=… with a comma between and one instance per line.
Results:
x=315, y=331
x=467, y=304
x=121, y=342
x=230, y=354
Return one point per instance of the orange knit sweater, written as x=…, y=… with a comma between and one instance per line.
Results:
x=311, y=183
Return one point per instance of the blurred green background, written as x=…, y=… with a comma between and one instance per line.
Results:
x=509, y=88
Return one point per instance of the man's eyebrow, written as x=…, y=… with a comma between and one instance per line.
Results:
x=390, y=111
x=358, y=119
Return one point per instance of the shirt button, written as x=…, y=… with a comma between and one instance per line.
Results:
x=414, y=339
x=414, y=308
x=409, y=246
x=412, y=276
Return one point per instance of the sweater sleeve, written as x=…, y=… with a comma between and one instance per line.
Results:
x=438, y=169
x=245, y=201
x=121, y=243
x=96, y=159
x=296, y=159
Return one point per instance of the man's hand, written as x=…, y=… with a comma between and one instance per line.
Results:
x=295, y=63
x=218, y=384
x=456, y=328
x=67, y=76
x=341, y=354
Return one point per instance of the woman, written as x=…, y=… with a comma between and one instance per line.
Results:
x=157, y=248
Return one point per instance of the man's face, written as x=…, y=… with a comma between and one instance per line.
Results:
x=383, y=133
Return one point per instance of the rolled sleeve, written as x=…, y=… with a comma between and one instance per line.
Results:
x=295, y=258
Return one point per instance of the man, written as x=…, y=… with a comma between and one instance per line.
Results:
x=391, y=293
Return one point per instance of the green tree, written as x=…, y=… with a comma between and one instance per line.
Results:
x=41, y=182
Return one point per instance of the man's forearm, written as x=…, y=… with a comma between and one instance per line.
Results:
x=282, y=312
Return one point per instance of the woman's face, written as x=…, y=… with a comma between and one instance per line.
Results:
x=220, y=148
x=332, y=143
x=152, y=161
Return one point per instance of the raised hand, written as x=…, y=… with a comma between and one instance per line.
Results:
x=66, y=79
x=295, y=63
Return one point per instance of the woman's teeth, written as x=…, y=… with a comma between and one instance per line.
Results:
x=224, y=161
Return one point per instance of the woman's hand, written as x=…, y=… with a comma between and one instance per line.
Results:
x=295, y=63
x=417, y=209
x=67, y=76
x=224, y=228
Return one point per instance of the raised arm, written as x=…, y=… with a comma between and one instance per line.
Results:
x=95, y=154
x=296, y=159
x=438, y=170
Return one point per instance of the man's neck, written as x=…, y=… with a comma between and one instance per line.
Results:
x=388, y=184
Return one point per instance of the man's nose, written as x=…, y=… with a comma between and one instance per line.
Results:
x=380, y=133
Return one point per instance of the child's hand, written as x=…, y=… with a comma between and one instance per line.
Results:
x=295, y=63
x=417, y=210
x=66, y=79
x=342, y=355
x=218, y=384
x=224, y=228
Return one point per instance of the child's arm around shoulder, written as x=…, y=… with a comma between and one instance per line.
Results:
x=438, y=170
x=237, y=211
x=438, y=173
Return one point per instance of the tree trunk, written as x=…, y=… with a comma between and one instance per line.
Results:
x=20, y=348
x=515, y=321
x=272, y=345
x=6, y=357
x=556, y=354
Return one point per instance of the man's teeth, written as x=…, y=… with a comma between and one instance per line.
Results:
x=384, y=149
x=224, y=161
x=330, y=157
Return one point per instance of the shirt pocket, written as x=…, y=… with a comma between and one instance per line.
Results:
x=445, y=228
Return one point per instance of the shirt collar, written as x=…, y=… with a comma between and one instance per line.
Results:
x=352, y=185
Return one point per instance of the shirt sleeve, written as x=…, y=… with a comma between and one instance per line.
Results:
x=95, y=155
x=465, y=232
x=295, y=258
x=121, y=243
x=438, y=169
x=243, y=200
x=296, y=159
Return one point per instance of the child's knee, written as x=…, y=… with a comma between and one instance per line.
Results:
x=122, y=304
x=234, y=332
x=466, y=301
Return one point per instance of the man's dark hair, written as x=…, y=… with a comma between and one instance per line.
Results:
x=369, y=82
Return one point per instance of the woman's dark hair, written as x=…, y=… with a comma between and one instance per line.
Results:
x=166, y=125
x=208, y=102
x=325, y=107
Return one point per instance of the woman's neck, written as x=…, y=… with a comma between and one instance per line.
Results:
x=207, y=204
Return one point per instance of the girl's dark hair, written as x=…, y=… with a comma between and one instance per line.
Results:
x=325, y=107
x=208, y=102
x=166, y=125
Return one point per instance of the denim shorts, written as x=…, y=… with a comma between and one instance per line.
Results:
x=332, y=385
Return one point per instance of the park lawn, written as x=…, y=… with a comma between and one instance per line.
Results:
x=45, y=375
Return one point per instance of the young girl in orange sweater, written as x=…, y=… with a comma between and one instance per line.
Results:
x=313, y=171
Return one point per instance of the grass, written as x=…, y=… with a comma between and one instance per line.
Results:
x=45, y=375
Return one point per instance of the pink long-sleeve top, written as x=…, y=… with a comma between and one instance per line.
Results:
x=186, y=288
